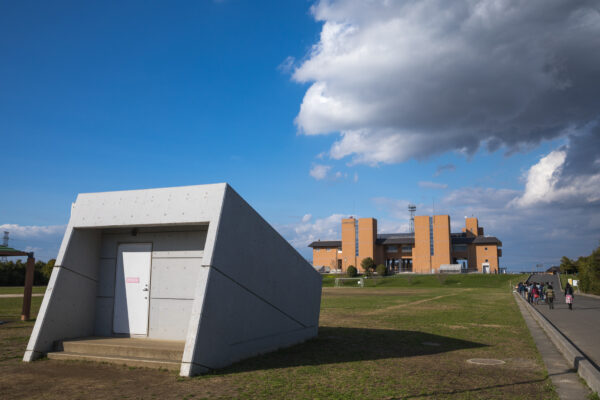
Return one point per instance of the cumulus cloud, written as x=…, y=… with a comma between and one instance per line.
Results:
x=432, y=185
x=319, y=171
x=401, y=80
x=567, y=176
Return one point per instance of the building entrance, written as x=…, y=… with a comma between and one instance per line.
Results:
x=398, y=265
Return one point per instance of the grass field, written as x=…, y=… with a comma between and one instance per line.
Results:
x=19, y=289
x=379, y=342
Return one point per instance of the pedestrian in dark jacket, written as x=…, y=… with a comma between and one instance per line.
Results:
x=569, y=295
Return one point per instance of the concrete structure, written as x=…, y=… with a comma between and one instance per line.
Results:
x=430, y=247
x=192, y=264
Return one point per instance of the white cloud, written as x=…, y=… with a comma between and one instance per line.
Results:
x=319, y=171
x=401, y=80
x=29, y=231
x=432, y=185
x=300, y=234
x=43, y=240
x=287, y=65
x=543, y=184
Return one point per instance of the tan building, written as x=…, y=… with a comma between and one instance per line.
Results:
x=430, y=247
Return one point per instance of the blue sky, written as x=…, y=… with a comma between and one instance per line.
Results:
x=296, y=105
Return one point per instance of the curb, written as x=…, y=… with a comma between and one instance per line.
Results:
x=593, y=296
x=582, y=365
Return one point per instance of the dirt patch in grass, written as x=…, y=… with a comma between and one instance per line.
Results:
x=370, y=345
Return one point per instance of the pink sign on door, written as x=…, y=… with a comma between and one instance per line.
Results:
x=132, y=280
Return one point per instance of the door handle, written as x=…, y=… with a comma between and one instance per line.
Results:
x=145, y=289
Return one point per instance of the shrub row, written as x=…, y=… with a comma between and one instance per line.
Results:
x=13, y=273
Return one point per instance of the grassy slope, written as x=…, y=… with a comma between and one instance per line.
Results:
x=437, y=281
x=383, y=342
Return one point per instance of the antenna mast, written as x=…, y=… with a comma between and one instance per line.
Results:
x=412, y=209
x=5, y=244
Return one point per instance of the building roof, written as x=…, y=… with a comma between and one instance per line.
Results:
x=386, y=239
x=326, y=243
x=9, y=251
x=487, y=240
x=395, y=238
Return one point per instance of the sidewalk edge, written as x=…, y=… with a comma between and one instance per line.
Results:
x=582, y=365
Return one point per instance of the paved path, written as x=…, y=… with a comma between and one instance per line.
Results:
x=15, y=295
x=580, y=325
x=564, y=378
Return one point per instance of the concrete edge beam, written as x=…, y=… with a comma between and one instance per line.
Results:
x=586, y=370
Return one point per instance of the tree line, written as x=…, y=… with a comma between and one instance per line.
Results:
x=13, y=273
x=587, y=269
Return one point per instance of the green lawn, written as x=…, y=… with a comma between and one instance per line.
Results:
x=19, y=289
x=405, y=338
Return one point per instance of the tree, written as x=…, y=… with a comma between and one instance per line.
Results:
x=568, y=266
x=589, y=272
x=367, y=264
x=381, y=270
x=47, y=269
x=351, y=271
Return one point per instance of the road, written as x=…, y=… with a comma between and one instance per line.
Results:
x=580, y=325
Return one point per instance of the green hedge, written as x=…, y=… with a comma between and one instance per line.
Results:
x=13, y=273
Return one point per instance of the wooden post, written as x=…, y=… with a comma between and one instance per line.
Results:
x=29, y=272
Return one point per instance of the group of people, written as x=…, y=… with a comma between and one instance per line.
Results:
x=535, y=292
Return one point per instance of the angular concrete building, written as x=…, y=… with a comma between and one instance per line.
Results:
x=194, y=268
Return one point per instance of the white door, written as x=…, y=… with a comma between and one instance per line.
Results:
x=486, y=268
x=132, y=288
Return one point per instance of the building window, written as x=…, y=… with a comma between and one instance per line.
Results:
x=328, y=250
x=407, y=249
x=431, y=235
x=392, y=249
x=459, y=247
x=356, y=236
x=486, y=260
x=485, y=248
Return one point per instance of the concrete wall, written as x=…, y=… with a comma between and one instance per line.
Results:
x=326, y=257
x=176, y=262
x=471, y=226
x=367, y=235
x=251, y=304
x=68, y=306
x=441, y=241
x=421, y=252
x=487, y=252
x=349, y=243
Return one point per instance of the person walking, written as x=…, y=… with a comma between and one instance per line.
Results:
x=550, y=296
x=536, y=294
x=569, y=295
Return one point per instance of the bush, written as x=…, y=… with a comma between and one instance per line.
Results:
x=381, y=270
x=351, y=271
x=367, y=264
